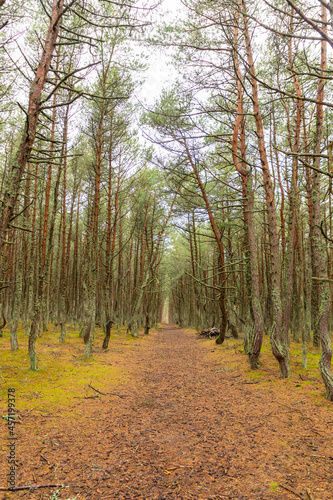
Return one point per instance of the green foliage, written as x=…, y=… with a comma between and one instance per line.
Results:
x=274, y=487
x=171, y=113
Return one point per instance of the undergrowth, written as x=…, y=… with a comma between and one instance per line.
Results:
x=63, y=372
x=303, y=381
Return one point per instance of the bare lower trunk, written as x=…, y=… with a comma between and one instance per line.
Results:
x=33, y=334
x=62, y=332
x=147, y=324
x=89, y=336
x=233, y=330
x=107, y=335
x=224, y=320
x=13, y=336
x=3, y=324
x=133, y=328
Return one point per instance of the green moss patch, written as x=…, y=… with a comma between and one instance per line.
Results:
x=63, y=374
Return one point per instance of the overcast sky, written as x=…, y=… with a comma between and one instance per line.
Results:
x=160, y=74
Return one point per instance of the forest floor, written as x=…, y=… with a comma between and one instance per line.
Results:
x=179, y=418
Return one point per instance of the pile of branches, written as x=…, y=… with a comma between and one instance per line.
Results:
x=209, y=333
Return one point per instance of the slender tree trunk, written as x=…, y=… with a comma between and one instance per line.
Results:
x=321, y=312
x=278, y=342
x=17, y=300
x=36, y=320
x=290, y=256
x=40, y=305
x=255, y=332
x=13, y=181
x=93, y=238
x=223, y=278
x=63, y=278
x=108, y=259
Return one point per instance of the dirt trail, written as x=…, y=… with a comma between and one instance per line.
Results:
x=184, y=428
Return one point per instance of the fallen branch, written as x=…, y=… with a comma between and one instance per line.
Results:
x=309, y=494
x=33, y=487
x=115, y=394
x=255, y=427
x=209, y=333
x=99, y=392
x=46, y=460
x=291, y=491
x=102, y=393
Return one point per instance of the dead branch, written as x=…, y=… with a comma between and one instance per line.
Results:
x=99, y=392
x=32, y=487
x=291, y=491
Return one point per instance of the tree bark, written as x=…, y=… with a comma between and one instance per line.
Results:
x=255, y=331
x=278, y=342
x=14, y=176
x=224, y=315
x=321, y=312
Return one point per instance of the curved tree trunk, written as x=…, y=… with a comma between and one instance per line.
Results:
x=255, y=331
x=278, y=341
x=14, y=176
x=107, y=335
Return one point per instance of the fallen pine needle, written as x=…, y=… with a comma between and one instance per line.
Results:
x=46, y=460
x=291, y=491
x=171, y=469
x=309, y=494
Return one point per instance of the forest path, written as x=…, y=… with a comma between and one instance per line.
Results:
x=186, y=426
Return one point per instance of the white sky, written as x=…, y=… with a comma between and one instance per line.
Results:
x=159, y=73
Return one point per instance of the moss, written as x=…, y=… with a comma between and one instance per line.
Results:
x=63, y=373
x=314, y=355
x=313, y=373
x=256, y=375
x=274, y=487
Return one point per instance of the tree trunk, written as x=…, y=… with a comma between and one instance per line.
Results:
x=14, y=176
x=107, y=335
x=278, y=342
x=321, y=312
x=254, y=334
